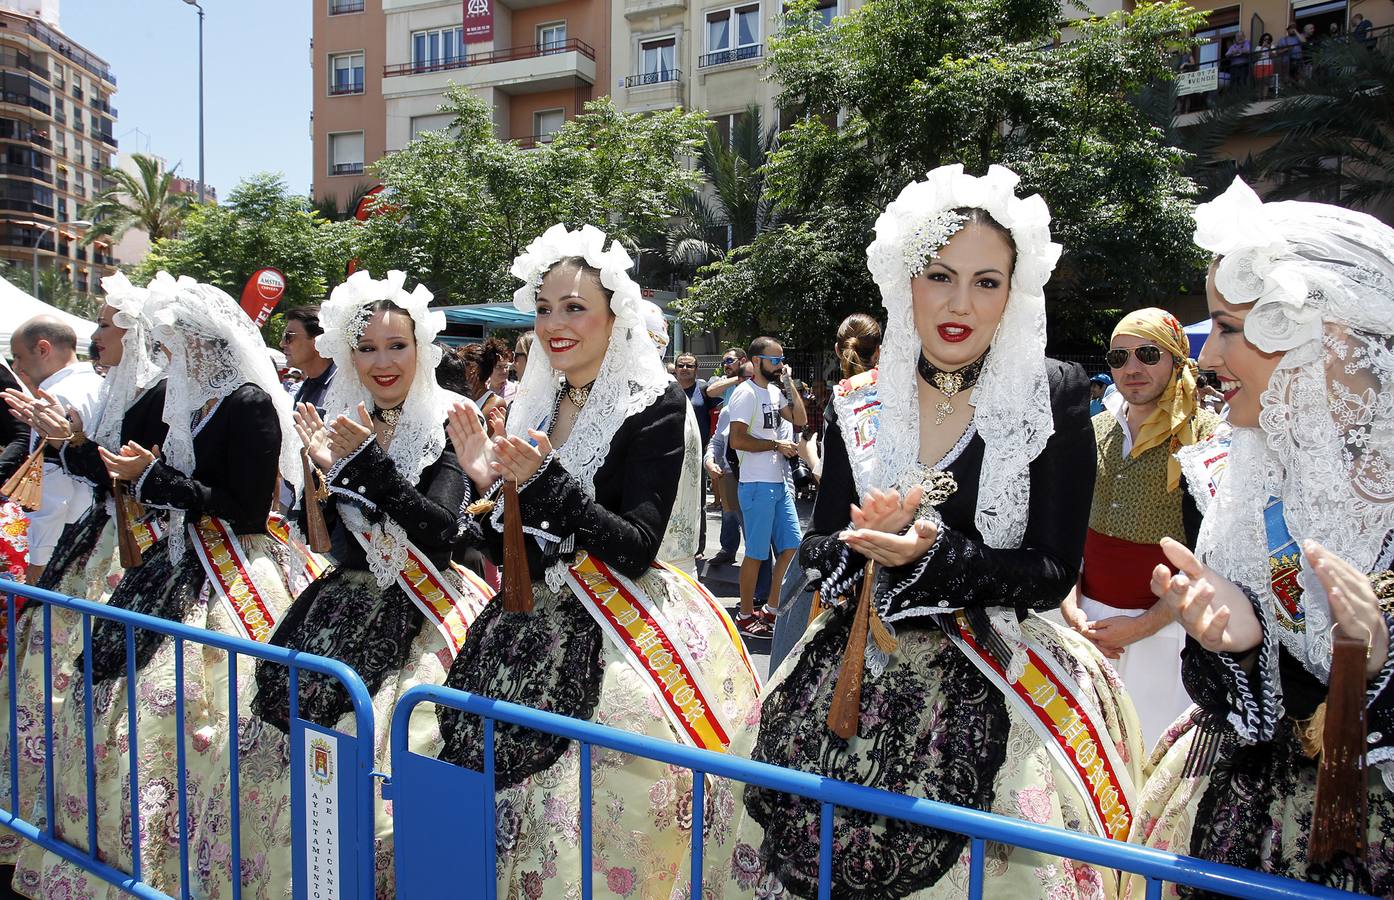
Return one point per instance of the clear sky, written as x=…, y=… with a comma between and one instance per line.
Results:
x=256, y=82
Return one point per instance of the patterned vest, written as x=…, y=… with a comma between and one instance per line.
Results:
x=1131, y=501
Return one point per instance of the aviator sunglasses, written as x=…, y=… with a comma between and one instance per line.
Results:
x=1148, y=355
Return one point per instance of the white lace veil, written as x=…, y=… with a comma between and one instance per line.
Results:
x=1012, y=399
x=631, y=376
x=1321, y=279
x=140, y=367
x=214, y=349
x=419, y=438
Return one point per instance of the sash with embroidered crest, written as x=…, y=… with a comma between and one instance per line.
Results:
x=1284, y=565
x=637, y=627
x=451, y=611
x=1047, y=698
x=230, y=572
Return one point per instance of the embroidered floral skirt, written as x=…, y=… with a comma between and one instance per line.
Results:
x=85, y=564
x=171, y=590
x=1254, y=810
x=343, y=615
x=557, y=659
x=930, y=726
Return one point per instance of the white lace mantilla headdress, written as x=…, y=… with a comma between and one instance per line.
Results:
x=631, y=377
x=1321, y=281
x=214, y=349
x=1012, y=399
x=140, y=367
x=420, y=435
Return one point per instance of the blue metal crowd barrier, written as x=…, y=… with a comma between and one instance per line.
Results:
x=354, y=764
x=435, y=803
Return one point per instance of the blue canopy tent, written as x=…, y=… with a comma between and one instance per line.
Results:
x=483, y=318
x=1196, y=335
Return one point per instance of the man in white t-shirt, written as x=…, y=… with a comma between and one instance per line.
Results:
x=759, y=407
x=45, y=355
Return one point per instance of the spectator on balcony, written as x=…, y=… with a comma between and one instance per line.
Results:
x=1290, y=51
x=1361, y=29
x=1237, y=56
x=1263, y=63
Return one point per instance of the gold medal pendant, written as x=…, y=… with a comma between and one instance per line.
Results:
x=949, y=384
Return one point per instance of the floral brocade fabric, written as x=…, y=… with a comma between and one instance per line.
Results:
x=904, y=744
x=548, y=659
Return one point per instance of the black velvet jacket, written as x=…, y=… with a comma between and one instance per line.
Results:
x=236, y=454
x=635, y=487
x=427, y=510
x=14, y=434
x=143, y=423
x=961, y=572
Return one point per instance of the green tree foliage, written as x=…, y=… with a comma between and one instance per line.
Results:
x=460, y=204
x=901, y=86
x=140, y=200
x=261, y=224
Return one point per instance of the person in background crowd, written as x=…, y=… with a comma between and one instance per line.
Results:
x=1289, y=52
x=1208, y=396
x=1237, y=56
x=1264, y=64
x=1361, y=29
x=1100, y=386
x=298, y=344
x=486, y=369
x=45, y=354
x=1140, y=498
x=733, y=373
x=759, y=409
x=521, y=349
x=858, y=350
x=1288, y=601
x=685, y=371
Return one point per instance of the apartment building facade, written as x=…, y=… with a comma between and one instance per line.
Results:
x=56, y=137
x=382, y=68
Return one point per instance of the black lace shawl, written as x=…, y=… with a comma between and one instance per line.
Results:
x=931, y=725
x=352, y=619
x=552, y=659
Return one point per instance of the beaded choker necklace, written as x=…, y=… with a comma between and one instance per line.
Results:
x=950, y=384
x=578, y=395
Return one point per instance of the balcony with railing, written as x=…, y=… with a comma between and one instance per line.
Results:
x=340, y=88
x=22, y=132
x=1267, y=73
x=24, y=170
x=348, y=168
x=62, y=45
x=12, y=59
x=344, y=7
x=106, y=137
x=533, y=141
x=513, y=70
x=727, y=57
x=654, y=90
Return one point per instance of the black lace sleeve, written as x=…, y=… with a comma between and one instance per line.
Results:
x=427, y=513
x=241, y=465
x=83, y=462
x=625, y=530
x=963, y=572
x=822, y=551
x=1243, y=689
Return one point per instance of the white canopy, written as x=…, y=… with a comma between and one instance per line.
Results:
x=17, y=307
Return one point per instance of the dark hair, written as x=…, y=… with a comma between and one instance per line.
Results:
x=46, y=328
x=858, y=338
x=307, y=316
x=92, y=350
x=523, y=345
x=481, y=360
x=451, y=371
x=579, y=262
x=759, y=345
x=976, y=215
x=685, y=354
x=740, y=354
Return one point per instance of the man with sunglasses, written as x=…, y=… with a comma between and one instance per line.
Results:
x=762, y=411
x=732, y=365
x=1141, y=497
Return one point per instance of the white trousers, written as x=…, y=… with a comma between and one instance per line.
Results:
x=1150, y=669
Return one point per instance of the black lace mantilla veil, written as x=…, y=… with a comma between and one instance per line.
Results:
x=952, y=750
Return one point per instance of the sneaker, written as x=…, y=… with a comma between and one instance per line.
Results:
x=722, y=558
x=753, y=626
x=767, y=615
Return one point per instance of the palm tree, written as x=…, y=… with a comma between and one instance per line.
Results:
x=141, y=200
x=730, y=208
x=1336, y=132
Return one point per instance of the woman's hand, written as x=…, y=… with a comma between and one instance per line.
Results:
x=346, y=435
x=313, y=435
x=130, y=463
x=472, y=446
x=1212, y=609
x=891, y=549
x=1353, y=603
x=45, y=414
x=516, y=459
x=885, y=511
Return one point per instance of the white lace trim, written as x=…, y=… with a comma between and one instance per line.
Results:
x=140, y=367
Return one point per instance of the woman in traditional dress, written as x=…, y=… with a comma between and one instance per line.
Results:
x=395, y=494
x=596, y=509
x=230, y=430
x=1298, y=539
x=965, y=460
x=85, y=561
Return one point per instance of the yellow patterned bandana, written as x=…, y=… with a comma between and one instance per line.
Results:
x=1173, y=421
